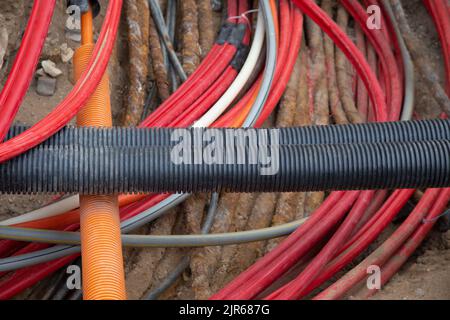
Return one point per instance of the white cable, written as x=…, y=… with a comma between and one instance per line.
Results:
x=228, y=97
x=54, y=209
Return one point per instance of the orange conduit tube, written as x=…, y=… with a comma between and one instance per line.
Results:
x=101, y=247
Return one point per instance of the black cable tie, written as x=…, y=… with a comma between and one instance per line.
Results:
x=237, y=35
x=240, y=57
x=225, y=32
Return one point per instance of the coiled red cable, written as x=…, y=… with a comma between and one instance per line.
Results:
x=294, y=288
x=27, y=57
x=287, y=39
x=216, y=61
x=382, y=253
x=286, y=252
x=75, y=100
x=391, y=205
x=394, y=93
x=409, y=247
x=355, y=56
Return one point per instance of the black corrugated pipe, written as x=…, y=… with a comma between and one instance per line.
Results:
x=335, y=134
x=220, y=165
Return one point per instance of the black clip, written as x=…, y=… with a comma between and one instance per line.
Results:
x=240, y=57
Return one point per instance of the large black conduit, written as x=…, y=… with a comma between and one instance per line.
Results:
x=334, y=134
x=106, y=170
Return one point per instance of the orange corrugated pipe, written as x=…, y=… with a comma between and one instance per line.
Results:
x=101, y=247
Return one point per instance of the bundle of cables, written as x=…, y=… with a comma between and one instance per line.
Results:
x=228, y=89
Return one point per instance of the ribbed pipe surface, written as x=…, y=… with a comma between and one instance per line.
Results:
x=101, y=247
x=102, y=170
x=334, y=134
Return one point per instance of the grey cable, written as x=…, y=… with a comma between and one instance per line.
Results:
x=56, y=252
x=269, y=70
x=32, y=258
x=150, y=101
x=408, y=102
x=176, y=273
x=431, y=79
x=158, y=241
x=162, y=29
x=171, y=14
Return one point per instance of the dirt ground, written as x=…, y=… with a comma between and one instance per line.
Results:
x=425, y=276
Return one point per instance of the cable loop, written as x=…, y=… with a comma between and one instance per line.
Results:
x=244, y=16
x=433, y=220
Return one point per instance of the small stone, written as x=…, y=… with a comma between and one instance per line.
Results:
x=3, y=44
x=66, y=53
x=40, y=72
x=51, y=69
x=46, y=86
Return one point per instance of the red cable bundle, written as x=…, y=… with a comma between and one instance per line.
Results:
x=25, y=63
x=76, y=99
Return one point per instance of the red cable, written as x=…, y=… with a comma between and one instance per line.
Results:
x=347, y=46
x=294, y=289
x=362, y=96
x=202, y=104
x=331, y=204
x=389, y=210
x=8, y=247
x=310, y=8
x=388, y=62
x=389, y=34
x=189, y=92
x=286, y=37
x=25, y=63
x=375, y=205
x=390, y=246
x=214, y=64
x=299, y=283
x=286, y=69
x=76, y=99
x=18, y=283
x=193, y=110
x=409, y=247
x=382, y=253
